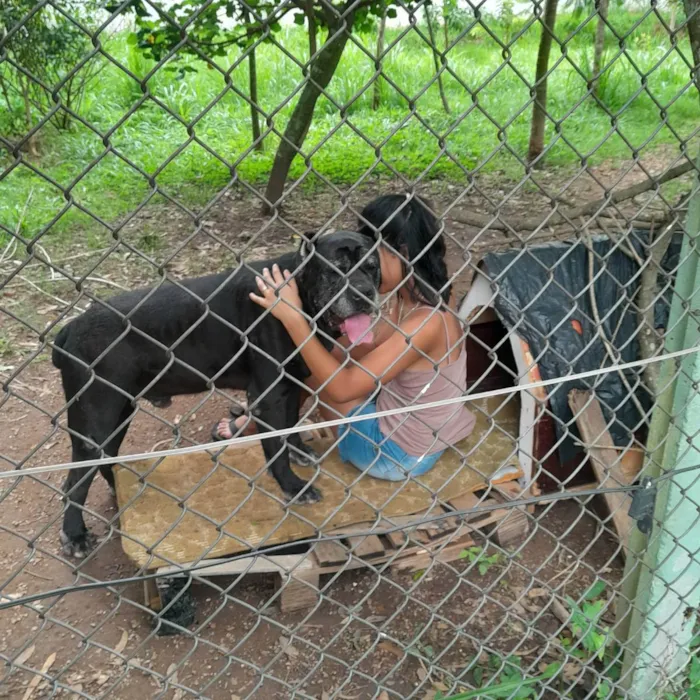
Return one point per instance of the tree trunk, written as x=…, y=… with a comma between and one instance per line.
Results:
x=446, y=32
x=539, y=107
x=434, y=48
x=599, y=45
x=32, y=148
x=313, y=29
x=6, y=97
x=376, y=88
x=253, y=88
x=692, y=12
x=320, y=75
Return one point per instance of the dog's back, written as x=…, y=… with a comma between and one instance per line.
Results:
x=194, y=329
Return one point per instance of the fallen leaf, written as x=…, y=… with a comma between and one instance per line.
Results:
x=24, y=656
x=122, y=643
x=375, y=618
x=360, y=641
x=37, y=679
x=422, y=674
x=288, y=648
x=518, y=608
x=525, y=652
x=537, y=592
x=570, y=672
x=383, y=695
x=392, y=648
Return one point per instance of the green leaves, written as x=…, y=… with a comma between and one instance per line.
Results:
x=694, y=673
x=510, y=683
x=477, y=554
x=595, y=590
x=247, y=20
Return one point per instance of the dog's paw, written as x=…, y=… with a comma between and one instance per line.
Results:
x=77, y=547
x=308, y=494
x=303, y=455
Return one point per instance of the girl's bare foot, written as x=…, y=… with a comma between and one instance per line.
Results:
x=225, y=429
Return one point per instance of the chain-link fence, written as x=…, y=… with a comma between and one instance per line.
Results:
x=457, y=458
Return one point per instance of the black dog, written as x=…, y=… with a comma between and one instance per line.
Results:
x=184, y=339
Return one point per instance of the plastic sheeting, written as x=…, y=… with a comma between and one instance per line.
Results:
x=543, y=295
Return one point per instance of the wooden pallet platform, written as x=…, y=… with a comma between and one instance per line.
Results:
x=413, y=547
x=211, y=505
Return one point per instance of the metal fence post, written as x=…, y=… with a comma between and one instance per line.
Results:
x=663, y=619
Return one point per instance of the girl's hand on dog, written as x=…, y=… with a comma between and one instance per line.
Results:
x=275, y=285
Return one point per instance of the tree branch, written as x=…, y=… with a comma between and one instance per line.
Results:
x=495, y=223
x=612, y=352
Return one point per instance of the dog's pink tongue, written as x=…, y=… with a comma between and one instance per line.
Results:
x=357, y=328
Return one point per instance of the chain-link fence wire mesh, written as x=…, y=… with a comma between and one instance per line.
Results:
x=499, y=572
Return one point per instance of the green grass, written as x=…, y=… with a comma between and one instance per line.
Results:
x=480, y=130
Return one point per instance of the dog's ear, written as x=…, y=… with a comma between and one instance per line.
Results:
x=304, y=243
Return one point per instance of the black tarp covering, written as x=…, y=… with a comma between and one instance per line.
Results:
x=540, y=291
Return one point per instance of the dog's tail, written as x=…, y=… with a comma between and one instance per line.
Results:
x=57, y=357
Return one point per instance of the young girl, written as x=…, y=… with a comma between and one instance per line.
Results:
x=417, y=350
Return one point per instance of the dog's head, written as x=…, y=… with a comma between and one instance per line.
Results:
x=339, y=283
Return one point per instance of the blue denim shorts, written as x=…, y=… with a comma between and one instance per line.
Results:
x=363, y=445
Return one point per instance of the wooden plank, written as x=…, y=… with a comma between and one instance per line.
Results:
x=418, y=557
x=364, y=547
x=283, y=563
x=513, y=491
x=298, y=591
x=151, y=595
x=391, y=522
x=423, y=559
x=485, y=519
x=631, y=463
x=574, y=490
x=397, y=538
x=330, y=553
x=604, y=457
x=465, y=501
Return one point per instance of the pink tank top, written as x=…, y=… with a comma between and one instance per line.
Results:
x=433, y=429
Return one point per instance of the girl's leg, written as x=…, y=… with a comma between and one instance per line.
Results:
x=329, y=409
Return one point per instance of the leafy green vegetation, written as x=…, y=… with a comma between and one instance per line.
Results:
x=484, y=562
x=193, y=151
x=590, y=651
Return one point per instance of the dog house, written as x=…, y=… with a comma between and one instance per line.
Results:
x=530, y=317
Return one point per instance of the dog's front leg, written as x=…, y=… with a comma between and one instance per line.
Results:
x=278, y=407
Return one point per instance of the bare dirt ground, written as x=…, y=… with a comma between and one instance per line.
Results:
x=448, y=619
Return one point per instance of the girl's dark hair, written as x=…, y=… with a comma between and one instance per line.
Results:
x=411, y=229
